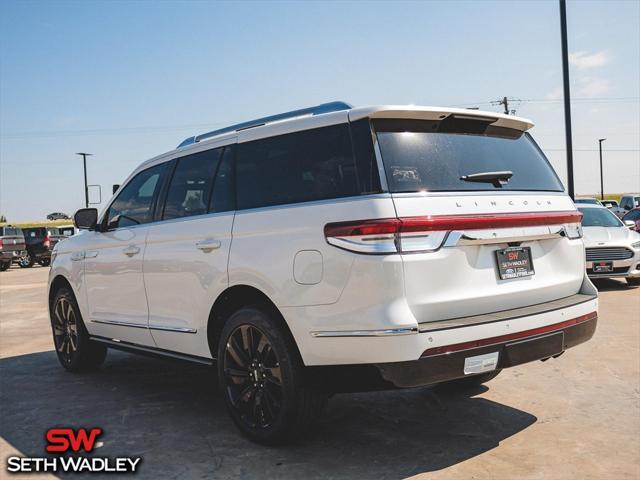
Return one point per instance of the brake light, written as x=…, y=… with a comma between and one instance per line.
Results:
x=427, y=234
x=47, y=242
x=1, y=244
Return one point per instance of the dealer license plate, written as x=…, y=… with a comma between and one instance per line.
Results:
x=514, y=262
x=602, y=267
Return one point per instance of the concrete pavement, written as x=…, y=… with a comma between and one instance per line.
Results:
x=577, y=416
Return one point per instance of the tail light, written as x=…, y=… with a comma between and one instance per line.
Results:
x=427, y=234
x=1, y=244
x=47, y=242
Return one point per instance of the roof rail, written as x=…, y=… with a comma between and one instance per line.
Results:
x=317, y=110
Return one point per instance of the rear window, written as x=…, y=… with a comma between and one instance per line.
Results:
x=420, y=155
x=304, y=166
x=12, y=232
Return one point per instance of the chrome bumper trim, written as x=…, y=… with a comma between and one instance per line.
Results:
x=367, y=333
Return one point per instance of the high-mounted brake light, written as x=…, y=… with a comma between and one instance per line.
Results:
x=426, y=234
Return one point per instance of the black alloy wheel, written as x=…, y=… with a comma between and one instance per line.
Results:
x=65, y=329
x=76, y=352
x=253, y=376
x=263, y=379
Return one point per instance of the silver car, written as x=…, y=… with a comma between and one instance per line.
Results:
x=612, y=248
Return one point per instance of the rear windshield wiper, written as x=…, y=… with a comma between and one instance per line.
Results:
x=497, y=178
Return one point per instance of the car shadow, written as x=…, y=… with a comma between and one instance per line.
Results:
x=171, y=415
x=611, y=284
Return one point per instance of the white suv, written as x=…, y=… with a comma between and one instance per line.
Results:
x=331, y=249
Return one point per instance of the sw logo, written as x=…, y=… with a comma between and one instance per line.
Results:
x=65, y=443
x=63, y=439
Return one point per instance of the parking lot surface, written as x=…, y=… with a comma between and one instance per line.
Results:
x=577, y=416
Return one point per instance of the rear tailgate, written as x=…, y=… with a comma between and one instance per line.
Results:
x=13, y=243
x=462, y=278
x=464, y=188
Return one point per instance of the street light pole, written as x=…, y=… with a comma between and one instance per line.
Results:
x=567, y=98
x=86, y=186
x=601, y=176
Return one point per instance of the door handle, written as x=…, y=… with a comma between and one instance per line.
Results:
x=131, y=250
x=208, y=245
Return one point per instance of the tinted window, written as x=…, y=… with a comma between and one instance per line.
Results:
x=134, y=205
x=223, y=196
x=190, y=188
x=427, y=156
x=12, y=232
x=632, y=215
x=599, y=217
x=298, y=167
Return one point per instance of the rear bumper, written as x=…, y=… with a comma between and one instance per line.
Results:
x=11, y=255
x=440, y=367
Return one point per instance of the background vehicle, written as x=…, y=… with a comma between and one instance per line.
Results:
x=373, y=247
x=612, y=249
x=630, y=201
x=609, y=203
x=633, y=216
x=12, y=246
x=587, y=200
x=38, y=247
x=58, y=216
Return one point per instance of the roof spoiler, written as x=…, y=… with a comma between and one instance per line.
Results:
x=317, y=110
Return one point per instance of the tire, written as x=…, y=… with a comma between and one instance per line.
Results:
x=4, y=266
x=26, y=261
x=45, y=262
x=633, y=282
x=468, y=383
x=262, y=378
x=75, y=351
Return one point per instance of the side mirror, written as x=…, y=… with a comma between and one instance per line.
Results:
x=86, y=218
x=630, y=224
x=114, y=188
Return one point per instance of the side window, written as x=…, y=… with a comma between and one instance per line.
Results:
x=134, y=205
x=223, y=197
x=190, y=187
x=623, y=203
x=297, y=167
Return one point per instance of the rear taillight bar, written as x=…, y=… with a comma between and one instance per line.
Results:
x=424, y=234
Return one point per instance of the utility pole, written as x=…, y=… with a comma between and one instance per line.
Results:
x=601, y=177
x=567, y=97
x=86, y=186
x=505, y=102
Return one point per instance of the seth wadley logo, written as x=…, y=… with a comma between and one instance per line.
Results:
x=68, y=440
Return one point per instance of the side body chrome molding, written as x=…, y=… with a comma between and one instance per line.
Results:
x=150, y=326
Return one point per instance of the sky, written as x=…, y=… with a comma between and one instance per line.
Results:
x=127, y=80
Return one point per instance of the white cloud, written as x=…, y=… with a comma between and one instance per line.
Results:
x=583, y=60
x=590, y=87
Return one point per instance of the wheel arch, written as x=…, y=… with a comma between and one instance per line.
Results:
x=58, y=282
x=230, y=301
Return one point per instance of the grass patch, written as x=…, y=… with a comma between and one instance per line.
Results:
x=46, y=223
